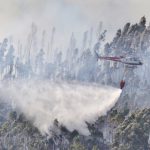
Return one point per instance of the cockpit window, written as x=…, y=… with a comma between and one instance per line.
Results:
x=134, y=59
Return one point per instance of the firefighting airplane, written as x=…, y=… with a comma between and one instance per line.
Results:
x=131, y=61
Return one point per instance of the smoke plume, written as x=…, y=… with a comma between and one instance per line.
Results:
x=70, y=103
x=68, y=16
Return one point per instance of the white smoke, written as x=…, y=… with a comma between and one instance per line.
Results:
x=70, y=103
x=68, y=15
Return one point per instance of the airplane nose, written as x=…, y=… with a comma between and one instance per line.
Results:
x=141, y=63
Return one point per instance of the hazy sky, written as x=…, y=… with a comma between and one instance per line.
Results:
x=69, y=15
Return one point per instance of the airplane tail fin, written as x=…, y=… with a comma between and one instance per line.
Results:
x=97, y=55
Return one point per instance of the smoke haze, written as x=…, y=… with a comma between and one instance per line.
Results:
x=68, y=15
x=70, y=103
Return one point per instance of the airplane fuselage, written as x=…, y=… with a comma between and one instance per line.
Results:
x=121, y=59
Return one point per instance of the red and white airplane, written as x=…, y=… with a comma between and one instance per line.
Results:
x=132, y=61
x=129, y=62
